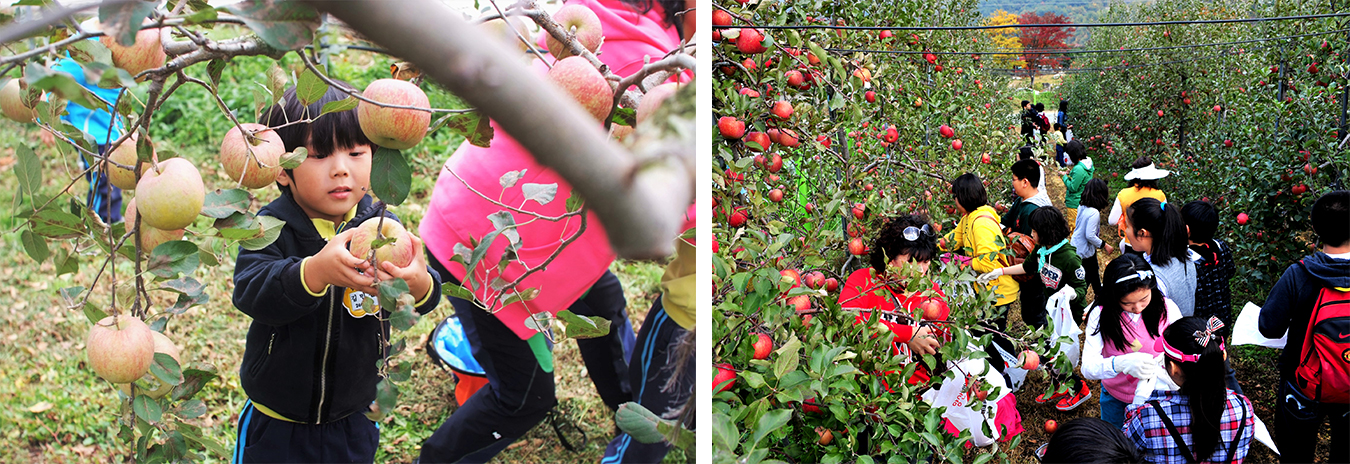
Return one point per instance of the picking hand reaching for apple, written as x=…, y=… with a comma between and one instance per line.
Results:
x=924, y=342
x=334, y=265
x=415, y=273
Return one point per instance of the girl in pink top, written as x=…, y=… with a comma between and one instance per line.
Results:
x=515, y=355
x=1119, y=348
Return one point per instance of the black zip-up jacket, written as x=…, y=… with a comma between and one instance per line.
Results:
x=1289, y=304
x=306, y=357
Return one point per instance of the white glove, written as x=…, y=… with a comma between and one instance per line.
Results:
x=989, y=276
x=1068, y=293
x=1138, y=365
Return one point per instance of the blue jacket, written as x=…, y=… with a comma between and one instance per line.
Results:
x=97, y=123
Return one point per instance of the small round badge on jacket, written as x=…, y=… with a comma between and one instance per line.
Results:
x=355, y=302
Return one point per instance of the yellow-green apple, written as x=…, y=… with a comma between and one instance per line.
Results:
x=394, y=128
x=172, y=197
x=582, y=23
x=11, y=103
x=146, y=53
x=267, y=149
x=125, y=154
x=157, y=388
x=583, y=82
x=120, y=348
x=150, y=236
x=400, y=251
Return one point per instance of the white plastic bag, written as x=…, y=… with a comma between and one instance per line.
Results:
x=1247, y=332
x=957, y=397
x=1064, y=326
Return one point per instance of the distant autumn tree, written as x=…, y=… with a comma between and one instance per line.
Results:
x=1039, y=44
x=1005, y=39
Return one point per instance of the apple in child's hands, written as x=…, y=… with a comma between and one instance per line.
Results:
x=400, y=252
x=1029, y=360
x=763, y=345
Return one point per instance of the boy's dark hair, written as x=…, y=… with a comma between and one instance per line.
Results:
x=1204, y=381
x=1140, y=163
x=1166, y=226
x=1202, y=219
x=1095, y=194
x=1076, y=151
x=969, y=192
x=1025, y=153
x=1049, y=224
x=1331, y=218
x=891, y=242
x=1025, y=103
x=1040, y=107
x=1088, y=440
x=1059, y=127
x=1112, y=317
x=326, y=134
x=1029, y=170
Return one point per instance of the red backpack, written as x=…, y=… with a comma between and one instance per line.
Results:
x=1323, y=372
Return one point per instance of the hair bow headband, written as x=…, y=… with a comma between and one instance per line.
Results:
x=1141, y=275
x=1203, y=337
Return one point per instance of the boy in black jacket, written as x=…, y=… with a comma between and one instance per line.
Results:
x=1289, y=307
x=309, y=366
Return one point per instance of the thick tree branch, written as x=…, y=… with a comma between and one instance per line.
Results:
x=641, y=216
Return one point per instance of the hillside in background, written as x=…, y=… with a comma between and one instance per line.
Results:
x=1080, y=11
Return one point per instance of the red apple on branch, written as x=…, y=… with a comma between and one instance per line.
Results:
x=11, y=103
x=267, y=149
x=582, y=23
x=580, y=79
x=725, y=378
x=763, y=346
x=120, y=348
x=172, y=197
x=730, y=127
x=146, y=53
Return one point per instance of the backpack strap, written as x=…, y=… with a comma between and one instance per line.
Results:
x=1176, y=436
x=1237, y=439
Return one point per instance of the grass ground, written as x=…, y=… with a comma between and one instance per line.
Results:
x=57, y=410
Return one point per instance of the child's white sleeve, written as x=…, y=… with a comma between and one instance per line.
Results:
x=1114, y=217
x=1094, y=366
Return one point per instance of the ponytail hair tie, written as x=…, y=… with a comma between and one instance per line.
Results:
x=1163, y=205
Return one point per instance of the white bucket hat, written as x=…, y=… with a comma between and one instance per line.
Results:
x=1147, y=173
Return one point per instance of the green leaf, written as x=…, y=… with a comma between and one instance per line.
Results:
x=194, y=379
x=509, y=179
x=172, y=258
x=284, y=25
x=787, y=357
x=166, y=369
x=277, y=80
x=522, y=296
x=390, y=291
x=63, y=85
x=474, y=127
x=481, y=250
x=457, y=291
x=29, y=169
x=390, y=176
x=271, y=228
x=404, y=318
x=574, y=202
x=123, y=20
x=34, y=245
x=401, y=372
x=769, y=422
x=293, y=159
x=624, y=117
x=147, y=408
x=580, y=327
x=220, y=204
x=214, y=69
x=309, y=88
x=386, y=395
x=726, y=437
x=541, y=193
x=505, y=223
x=93, y=313
x=346, y=104
x=193, y=434
x=55, y=223
x=89, y=51
x=638, y=422
x=204, y=15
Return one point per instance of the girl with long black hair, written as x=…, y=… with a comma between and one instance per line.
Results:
x=1158, y=230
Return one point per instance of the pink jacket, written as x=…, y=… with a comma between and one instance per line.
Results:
x=455, y=213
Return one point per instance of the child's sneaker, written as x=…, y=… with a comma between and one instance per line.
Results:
x=1052, y=398
x=1068, y=403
